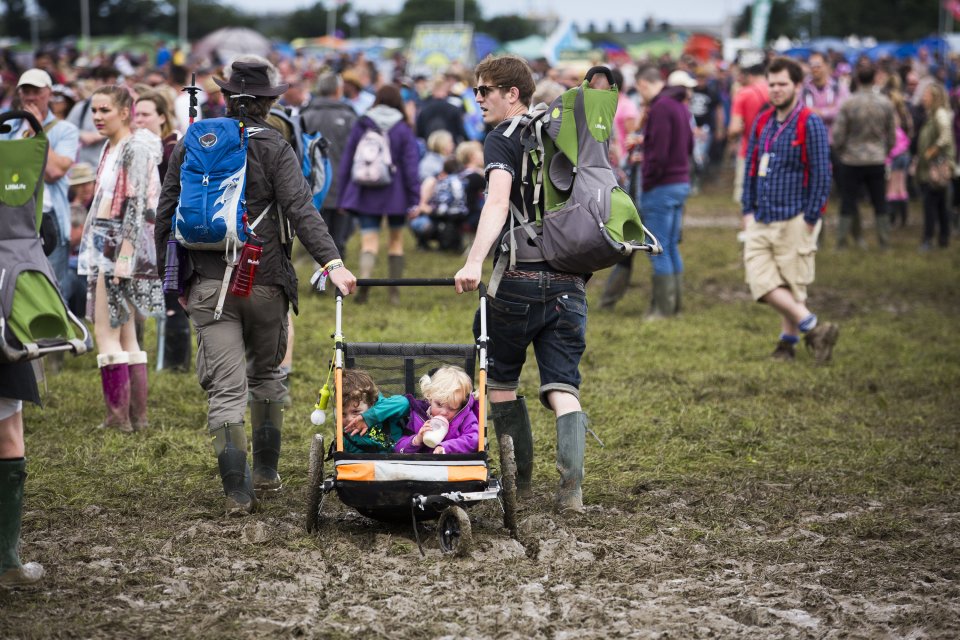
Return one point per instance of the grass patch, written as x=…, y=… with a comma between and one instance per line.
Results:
x=720, y=465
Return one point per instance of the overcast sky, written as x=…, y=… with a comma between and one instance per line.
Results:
x=580, y=11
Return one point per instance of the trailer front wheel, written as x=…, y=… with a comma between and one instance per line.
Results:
x=454, y=531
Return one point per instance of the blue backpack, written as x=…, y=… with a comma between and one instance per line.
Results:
x=316, y=166
x=210, y=212
x=311, y=150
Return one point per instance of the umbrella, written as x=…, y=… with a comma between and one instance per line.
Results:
x=230, y=42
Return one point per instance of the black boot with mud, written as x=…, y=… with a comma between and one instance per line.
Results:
x=267, y=419
x=12, y=572
x=510, y=418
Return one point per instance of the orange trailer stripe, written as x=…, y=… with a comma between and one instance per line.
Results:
x=363, y=471
x=461, y=474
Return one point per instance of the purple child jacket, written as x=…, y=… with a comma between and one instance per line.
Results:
x=462, y=437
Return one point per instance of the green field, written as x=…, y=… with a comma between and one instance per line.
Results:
x=735, y=496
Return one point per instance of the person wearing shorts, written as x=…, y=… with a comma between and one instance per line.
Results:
x=533, y=303
x=783, y=198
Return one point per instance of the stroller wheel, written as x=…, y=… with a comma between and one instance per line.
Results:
x=315, y=483
x=508, y=484
x=454, y=532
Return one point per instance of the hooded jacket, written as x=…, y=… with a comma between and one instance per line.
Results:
x=667, y=140
x=273, y=175
x=400, y=195
x=462, y=436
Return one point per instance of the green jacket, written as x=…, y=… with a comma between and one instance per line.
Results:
x=386, y=420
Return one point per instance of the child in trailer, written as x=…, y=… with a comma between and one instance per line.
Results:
x=445, y=421
x=372, y=422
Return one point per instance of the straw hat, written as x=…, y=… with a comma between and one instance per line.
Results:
x=81, y=173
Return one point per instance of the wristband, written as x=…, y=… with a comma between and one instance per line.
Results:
x=336, y=263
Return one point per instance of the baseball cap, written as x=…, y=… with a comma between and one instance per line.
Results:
x=681, y=78
x=35, y=78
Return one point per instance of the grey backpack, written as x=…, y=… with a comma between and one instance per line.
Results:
x=582, y=220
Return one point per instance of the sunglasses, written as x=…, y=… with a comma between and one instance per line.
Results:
x=483, y=89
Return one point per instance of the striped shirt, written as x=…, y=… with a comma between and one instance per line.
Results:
x=781, y=195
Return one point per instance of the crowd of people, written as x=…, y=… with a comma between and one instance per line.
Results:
x=443, y=157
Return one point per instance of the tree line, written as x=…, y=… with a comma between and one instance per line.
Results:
x=61, y=19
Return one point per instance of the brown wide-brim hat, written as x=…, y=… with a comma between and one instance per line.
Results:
x=252, y=78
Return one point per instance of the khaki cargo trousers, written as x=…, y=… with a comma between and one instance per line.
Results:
x=241, y=350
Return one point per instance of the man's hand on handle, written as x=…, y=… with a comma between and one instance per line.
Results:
x=468, y=278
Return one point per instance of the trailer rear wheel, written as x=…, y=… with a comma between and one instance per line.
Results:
x=315, y=483
x=454, y=532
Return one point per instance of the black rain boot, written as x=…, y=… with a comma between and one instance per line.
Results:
x=12, y=573
x=511, y=418
x=267, y=419
x=230, y=445
x=883, y=231
x=571, y=442
x=904, y=206
x=843, y=230
x=395, y=269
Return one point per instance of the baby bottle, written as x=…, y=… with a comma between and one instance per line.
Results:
x=438, y=430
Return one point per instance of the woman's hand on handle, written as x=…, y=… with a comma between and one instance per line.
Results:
x=343, y=280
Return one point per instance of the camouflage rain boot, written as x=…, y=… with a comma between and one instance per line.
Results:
x=267, y=420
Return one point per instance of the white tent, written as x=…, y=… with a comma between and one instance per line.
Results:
x=229, y=42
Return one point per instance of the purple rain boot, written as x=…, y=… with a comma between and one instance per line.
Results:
x=115, y=375
x=138, y=390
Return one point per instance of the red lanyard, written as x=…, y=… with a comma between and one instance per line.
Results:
x=772, y=139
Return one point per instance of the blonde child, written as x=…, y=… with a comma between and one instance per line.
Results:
x=448, y=402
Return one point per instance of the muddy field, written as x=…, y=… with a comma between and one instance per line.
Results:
x=734, y=498
x=633, y=572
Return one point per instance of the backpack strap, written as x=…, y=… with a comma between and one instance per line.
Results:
x=801, y=141
x=758, y=124
x=514, y=123
x=508, y=248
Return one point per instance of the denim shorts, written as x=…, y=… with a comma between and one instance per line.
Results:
x=542, y=310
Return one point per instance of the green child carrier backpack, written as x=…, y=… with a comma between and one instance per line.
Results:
x=583, y=221
x=34, y=319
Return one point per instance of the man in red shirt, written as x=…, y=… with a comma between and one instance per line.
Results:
x=747, y=103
